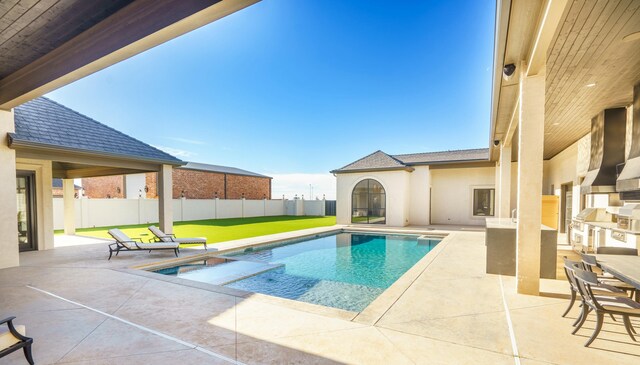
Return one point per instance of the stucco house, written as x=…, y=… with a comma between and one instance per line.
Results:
x=449, y=187
x=192, y=181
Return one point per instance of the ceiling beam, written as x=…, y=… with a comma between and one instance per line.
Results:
x=135, y=28
x=547, y=28
x=513, y=124
x=94, y=171
x=86, y=159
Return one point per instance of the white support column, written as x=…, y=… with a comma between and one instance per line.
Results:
x=68, y=198
x=504, y=182
x=9, y=254
x=165, y=198
x=530, y=164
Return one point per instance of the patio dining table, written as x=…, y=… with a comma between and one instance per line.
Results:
x=625, y=268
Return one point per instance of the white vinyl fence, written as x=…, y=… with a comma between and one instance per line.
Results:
x=116, y=212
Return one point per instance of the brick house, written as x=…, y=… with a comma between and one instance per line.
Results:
x=192, y=181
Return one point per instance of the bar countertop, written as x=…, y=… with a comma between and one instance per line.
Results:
x=508, y=223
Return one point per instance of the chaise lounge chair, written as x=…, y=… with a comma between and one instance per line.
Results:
x=124, y=243
x=163, y=237
x=15, y=339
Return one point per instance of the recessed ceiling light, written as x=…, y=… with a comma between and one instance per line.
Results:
x=631, y=37
x=591, y=84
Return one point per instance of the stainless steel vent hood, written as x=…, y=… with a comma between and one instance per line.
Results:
x=629, y=179
x=608, y=130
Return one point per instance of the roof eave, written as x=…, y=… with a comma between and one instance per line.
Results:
x=479, y=160
x=184, y=167
x=399, y=168
x=18, y=144
x=503, y=8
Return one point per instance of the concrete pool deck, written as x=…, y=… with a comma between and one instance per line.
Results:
x=82, y=309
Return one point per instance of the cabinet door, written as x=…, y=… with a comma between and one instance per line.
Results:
x=550, y=205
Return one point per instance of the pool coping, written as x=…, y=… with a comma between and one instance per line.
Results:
x=369, y=315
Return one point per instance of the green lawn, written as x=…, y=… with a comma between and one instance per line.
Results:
x=219, y=230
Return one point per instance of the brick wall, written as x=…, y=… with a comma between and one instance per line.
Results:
x=104, y=187
x=197, y=184
x=204, y=185
x=151, y=182
x=252, y=187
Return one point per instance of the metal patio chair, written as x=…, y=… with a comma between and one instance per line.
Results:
x=591, y=265
x=625, y=307
x=15, y=339
x=603, y=290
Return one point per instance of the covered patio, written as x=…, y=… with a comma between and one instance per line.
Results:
x=84, y=309
x=52, y=141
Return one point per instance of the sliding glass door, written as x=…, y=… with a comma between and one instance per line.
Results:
x=25, y=193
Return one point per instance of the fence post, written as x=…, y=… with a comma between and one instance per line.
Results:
x=243, y=206
x=215, y=208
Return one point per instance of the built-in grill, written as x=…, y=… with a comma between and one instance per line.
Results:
x=629, y=218
x=582, y=227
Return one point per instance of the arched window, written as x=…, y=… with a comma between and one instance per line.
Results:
x=368, y=203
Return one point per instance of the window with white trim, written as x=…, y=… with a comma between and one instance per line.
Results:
x=484, y=200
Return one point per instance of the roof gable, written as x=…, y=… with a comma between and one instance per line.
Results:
x=382, y=161
x=375, y=161
x=44, y=122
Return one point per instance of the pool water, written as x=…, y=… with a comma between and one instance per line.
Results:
x=343, y=270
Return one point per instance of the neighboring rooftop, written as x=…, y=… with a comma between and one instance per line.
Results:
x=383, y=161
x=57, y=183
x=220, y=169
x=46, y=124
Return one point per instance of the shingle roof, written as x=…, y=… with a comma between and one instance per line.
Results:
x=375, y=161
x=46, y=123
x=479, y=154
x=220, y=169
x=382, y=161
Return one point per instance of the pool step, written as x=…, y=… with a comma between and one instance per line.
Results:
x=225, y=273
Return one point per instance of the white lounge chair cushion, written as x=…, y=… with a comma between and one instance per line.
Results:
x=122, y=238
x=163, y=237
x=7, y=339
x=158, y=233
x=191, y=240
x=158, y=245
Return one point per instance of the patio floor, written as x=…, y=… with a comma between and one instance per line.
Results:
x=82, y=309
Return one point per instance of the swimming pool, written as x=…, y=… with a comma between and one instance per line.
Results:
x=346, y=270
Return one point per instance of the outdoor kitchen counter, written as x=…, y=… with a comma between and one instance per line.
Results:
x=508, y=223
x=607, y=225
x=500, y=240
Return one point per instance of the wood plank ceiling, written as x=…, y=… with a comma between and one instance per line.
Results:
x=29, y=29
x=589, y=68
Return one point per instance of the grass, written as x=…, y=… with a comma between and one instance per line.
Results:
x=219, y=230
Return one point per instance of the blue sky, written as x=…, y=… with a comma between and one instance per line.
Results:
x=293, y=88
